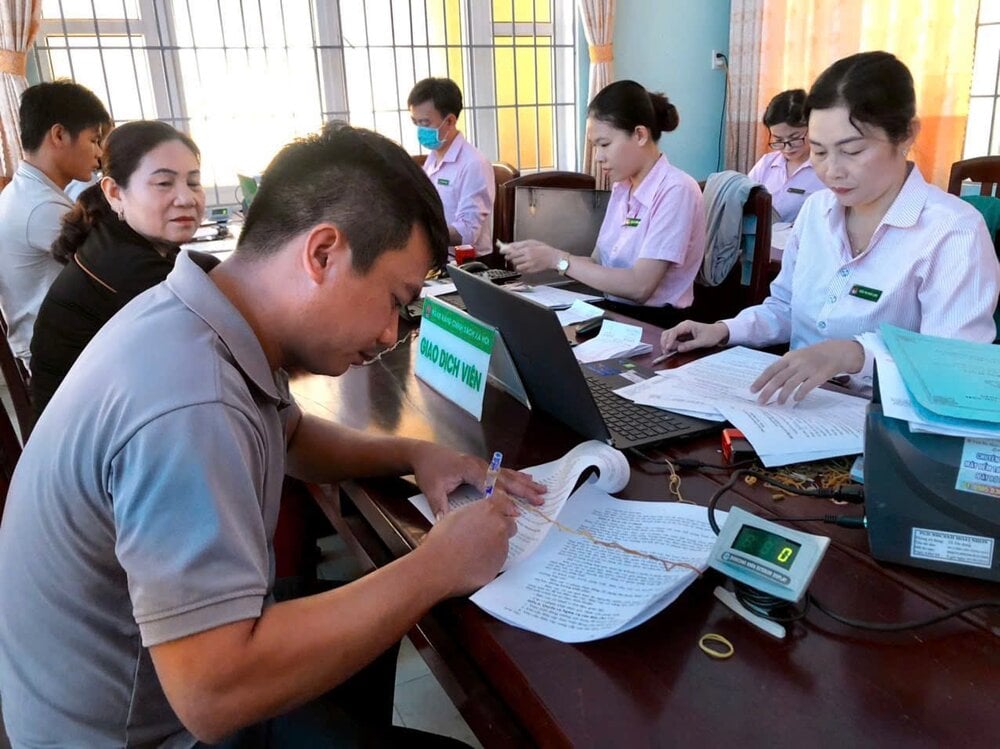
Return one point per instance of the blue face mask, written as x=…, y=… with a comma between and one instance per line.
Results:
x=428, y=137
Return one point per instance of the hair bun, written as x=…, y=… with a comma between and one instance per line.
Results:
x=666, y=113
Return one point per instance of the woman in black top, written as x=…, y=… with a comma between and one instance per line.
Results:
x=120, y=239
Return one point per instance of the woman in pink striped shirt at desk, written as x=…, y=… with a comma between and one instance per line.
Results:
x=652, y=239
x=881, y=245
x=787, y=172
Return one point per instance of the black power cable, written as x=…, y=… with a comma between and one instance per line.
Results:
x=778, y=610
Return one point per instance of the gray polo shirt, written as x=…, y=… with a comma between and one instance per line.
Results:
x=142, y=510
x=31, y=211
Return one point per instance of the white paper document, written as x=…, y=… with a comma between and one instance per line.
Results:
x=897, y=402
x=824, y=424
x=579, y=311
x=615, y=340
x=560, y=477
x=437, y=289
x=575, y=590
x=555, y=298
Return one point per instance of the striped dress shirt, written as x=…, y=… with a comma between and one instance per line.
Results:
x=930, y=267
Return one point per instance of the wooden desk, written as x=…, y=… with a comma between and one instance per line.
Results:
x=825, y=685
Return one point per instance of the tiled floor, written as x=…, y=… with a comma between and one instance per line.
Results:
x=420, y=702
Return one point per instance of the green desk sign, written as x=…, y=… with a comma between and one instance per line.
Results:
x=453, y=355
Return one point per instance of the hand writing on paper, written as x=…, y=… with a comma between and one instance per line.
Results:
x=804, y=369
x=690, y=335
x=531, y=256
x=439, y=471
x=470, y=544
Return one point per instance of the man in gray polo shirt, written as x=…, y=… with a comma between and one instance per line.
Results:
x=62, y=124
x=136, y=556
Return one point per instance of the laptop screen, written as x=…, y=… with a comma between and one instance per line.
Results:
x=541, y=353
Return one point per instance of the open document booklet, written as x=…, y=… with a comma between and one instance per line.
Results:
x=610, y=565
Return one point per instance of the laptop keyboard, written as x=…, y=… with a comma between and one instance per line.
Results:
x=630, y=420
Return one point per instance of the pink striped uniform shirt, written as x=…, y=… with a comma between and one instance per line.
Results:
x=464, y=180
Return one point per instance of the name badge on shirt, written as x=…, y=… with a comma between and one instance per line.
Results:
x=863, y=292
x=443, y=181
x=632, y=222
x=796, y=190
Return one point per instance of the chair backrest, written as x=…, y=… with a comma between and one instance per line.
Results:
x=983, y=169
x=16, y=378
x=713, y=303
x=505, y=197
x=502, y=174
x=10, y=452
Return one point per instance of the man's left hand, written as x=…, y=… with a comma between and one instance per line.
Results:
x=439, y=471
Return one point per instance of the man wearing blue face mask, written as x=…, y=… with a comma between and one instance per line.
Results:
x=462, y=176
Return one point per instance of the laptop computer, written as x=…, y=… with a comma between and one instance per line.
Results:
x=579, y=395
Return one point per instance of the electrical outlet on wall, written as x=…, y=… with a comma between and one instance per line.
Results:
x=718, y=60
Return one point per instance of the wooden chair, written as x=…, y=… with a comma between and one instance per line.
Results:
x=713, y=303
x=983, y=169
x=502, y=174
x=10, y=452
x=16, y=377
x=504, y=208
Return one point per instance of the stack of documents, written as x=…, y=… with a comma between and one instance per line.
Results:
x=938, y=385
x=568, y=581
x=824, y=424
x=616, y=340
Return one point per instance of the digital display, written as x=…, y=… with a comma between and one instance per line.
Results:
x=767, y=546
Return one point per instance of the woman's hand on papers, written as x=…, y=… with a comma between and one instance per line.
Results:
x=439, y=471
x=690, y=335
x=800, y=371
x=531, y=256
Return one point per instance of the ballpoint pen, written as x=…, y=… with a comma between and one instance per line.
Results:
x=491, y=475
x=662, y=358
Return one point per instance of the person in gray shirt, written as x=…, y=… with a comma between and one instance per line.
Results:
x=62, y=124
x=136, y=555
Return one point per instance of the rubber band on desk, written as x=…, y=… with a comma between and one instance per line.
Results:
x=719, y=655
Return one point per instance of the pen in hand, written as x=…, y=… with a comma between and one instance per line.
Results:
x=491, y=475
x=662, y=358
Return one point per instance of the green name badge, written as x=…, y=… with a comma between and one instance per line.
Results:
x=796, y=191
x=443, y=181
x=866, y=293
x=632, y=222
x=453, y=354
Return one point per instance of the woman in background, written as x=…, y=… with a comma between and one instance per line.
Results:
x=880, y=246
x=786, y=172
x=120, y=239
x=652, y=239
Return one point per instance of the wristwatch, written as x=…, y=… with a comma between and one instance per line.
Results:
x=563, y=265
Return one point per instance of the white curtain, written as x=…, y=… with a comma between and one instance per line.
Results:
x=599, y=26
x=742, y=115
x=18, y=26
